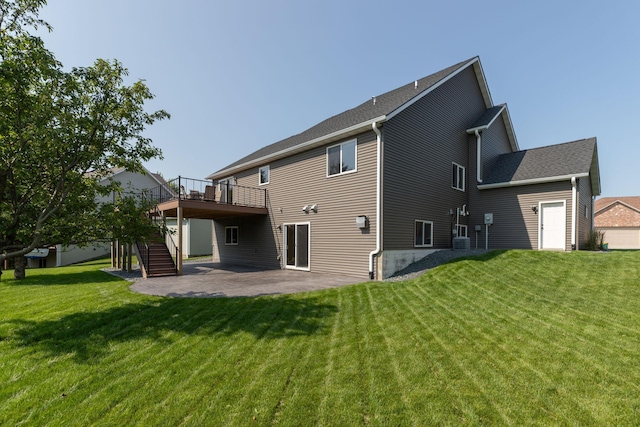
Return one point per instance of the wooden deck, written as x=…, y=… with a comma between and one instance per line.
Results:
x=207, y=209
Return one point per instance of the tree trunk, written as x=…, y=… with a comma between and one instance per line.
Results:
x=20, y=265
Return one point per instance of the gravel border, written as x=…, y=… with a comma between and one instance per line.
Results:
x=430, y=261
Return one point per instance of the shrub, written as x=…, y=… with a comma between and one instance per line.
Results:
x=594, y=240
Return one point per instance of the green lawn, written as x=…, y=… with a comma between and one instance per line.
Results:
x=511, y=338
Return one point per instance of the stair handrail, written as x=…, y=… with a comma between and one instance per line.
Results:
x=144, y=256
x=174, y=247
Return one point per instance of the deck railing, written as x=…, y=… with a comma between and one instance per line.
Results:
x=225, y=192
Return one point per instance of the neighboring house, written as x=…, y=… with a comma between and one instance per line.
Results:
x=196, y=236
x=130, y=182
x=619, y=219
x=379, y=186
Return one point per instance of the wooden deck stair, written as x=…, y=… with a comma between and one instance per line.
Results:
x=156, y=259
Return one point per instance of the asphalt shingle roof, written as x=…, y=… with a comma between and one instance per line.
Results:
x=633, y=201
x=545, y=162
x=384, y=104
x=487, y=117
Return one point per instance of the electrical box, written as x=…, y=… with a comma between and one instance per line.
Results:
x=488, y=218
x=478, y=228
x=361, y=222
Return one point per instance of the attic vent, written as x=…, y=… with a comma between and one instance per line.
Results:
x=373, y=98
x=415, y=85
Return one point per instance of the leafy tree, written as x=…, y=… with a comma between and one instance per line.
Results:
x=61, y=132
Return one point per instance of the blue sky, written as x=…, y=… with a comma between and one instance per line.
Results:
x=238, y=75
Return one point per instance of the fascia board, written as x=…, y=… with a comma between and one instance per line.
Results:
x=434, y=87
x=531, y=181
x=510, y=131
x=482, y=80
x=343, y=133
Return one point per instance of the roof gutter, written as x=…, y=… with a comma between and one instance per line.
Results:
x=325, y=139
x=478, y=154
x=376, y=252
x=531, y=181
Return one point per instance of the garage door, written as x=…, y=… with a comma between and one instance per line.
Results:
x=622, y=238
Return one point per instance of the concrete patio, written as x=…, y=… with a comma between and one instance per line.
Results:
x=209, y=279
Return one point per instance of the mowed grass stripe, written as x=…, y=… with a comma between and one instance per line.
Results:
x=502, y=372
x=596, y=349
x=560, y=353
x=124, y=379
x=179, y=362
x=302, y=397
x=479, y=384
x=150, y=373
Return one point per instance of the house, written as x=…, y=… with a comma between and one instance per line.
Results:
x=196, y=236
x=619, y=219
x=432, y=164
x=132, y=182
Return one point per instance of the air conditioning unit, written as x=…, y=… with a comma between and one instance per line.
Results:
x=461, y=244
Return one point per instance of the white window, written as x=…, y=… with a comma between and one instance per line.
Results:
x=458, y=177
x=587, y=213
x=423, y=234
x=263, y=172
x=231, y=235
x=461, y=230
x=341, y=158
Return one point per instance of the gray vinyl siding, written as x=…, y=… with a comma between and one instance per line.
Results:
x=494, y=143
x=255, y=247
x=584, y=201
x=337, y=245
x=420, y=145
x=515, y=224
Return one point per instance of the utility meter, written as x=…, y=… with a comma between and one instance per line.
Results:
x=488, y=218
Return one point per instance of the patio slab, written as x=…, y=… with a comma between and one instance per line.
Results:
x=209, y=279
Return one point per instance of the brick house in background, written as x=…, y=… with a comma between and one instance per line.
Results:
x=619, y=219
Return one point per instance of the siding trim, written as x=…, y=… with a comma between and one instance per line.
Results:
x=325, y=139
x=532, y=181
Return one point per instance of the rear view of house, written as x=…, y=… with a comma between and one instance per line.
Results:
x=372, y=189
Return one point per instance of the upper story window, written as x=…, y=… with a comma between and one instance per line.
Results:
x=423, y=234
x=458, y=177
x=264, y=173
x=341, y=158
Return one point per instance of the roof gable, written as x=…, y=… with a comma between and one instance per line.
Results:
x=355, y=120
x=629, y=202
x=545, y=164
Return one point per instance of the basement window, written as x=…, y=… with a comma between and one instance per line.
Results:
x=231, y=235
x=423, y=234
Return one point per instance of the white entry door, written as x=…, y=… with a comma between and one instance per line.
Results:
x=553, y=225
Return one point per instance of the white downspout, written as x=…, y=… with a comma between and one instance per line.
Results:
x=478, y=155
x=375, y=252
x=573, y=212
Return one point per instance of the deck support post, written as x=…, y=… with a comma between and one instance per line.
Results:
x=179, y=257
